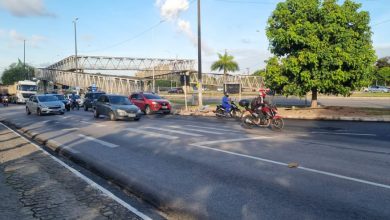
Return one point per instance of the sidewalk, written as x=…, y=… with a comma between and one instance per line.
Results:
x=34, y=186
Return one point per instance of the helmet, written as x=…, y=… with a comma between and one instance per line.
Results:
x=226, y=94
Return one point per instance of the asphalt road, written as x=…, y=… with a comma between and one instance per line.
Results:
x=209, y=168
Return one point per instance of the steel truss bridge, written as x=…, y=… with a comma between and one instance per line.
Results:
x=65, y=72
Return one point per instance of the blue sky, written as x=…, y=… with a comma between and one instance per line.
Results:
x=149, y=28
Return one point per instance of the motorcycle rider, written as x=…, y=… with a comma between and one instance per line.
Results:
x=258, y=103
x=73, y=100
x=226, y=103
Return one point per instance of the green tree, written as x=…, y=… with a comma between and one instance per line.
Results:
x=16, y=72
x=320, y=47
x=383, y=62
x=260, y=72
x=384, y=75
x=226, y=63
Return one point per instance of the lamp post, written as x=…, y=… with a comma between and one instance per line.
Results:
x=75, y=40
x=200, y=87
x=24, y=58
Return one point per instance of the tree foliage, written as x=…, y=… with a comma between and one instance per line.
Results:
x=383, y=75
x=383, y=62
x=226, y=63
x=320, y=46
x=16, y=72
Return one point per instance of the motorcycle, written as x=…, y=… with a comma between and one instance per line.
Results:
x=268, y=117
x=234, y=112
x=5, y=102
x=74, y=104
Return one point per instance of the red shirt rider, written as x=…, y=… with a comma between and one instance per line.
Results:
x=259, y=101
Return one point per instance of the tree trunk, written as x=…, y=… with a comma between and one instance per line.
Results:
x=314, y=98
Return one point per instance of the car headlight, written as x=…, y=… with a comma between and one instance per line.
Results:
x=43, y=106
x=121, y=112
x=154, y=103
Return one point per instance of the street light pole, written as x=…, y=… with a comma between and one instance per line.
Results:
x=75, y=40
x=200, y=87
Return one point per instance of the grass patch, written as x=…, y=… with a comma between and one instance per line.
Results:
x=371, y=94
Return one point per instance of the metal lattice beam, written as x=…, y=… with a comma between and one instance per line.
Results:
x=123, y=63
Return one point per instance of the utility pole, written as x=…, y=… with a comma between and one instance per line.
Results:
x=200, y=87
x=24, y=57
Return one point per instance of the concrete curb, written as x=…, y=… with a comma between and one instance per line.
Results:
x=320, y=118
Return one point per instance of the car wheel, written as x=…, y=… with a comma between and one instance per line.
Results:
x=96, y=113
x=148, y=111
x=61, y=113
x=28, y=111
x=85, y=108
x=112, y=116
x=39, y=112
x=136, y=119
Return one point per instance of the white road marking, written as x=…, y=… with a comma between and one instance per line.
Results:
x=63, y=146
x=230, y=140
x=197, y=130
x=342, y=133
x=65, y=117
x=70, y=129
x=300, y=167
x=110, y=145
x=87, y=180
x=149, y=133
x=174, y=131
x=91, y=123
x=212, y=128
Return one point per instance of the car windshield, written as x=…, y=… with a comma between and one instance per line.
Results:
x=48, y=98
x=60, y=97
x=28, y=88
x=152, y=96
x=119, y=100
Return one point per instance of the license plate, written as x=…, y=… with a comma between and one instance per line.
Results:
x=131, y=115
x=164, y=107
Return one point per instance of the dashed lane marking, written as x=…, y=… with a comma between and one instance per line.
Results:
x=91, y=123
x=211, y=128
x=230, y=140
x=201, y=145
x=153, y=134
x=87, y=180
x=70, y=129
x=107, y=144
x=174, y=131
x=192, y=129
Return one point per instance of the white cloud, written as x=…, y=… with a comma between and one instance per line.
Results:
x=382, y=50
x=171, y=9
x=25, y=8
x=15, y=36
x=36, y=40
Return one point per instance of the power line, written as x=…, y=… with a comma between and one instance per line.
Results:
x=381, y=22
x=129, y=39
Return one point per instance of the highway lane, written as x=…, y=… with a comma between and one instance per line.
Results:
x=214, y=169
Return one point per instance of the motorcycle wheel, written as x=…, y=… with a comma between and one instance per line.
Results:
x=219, y=113
x=247, y=122
x=277, y=124
x=236, y=114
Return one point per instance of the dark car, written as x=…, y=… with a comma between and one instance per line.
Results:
x=150, y=103
x=176, y=90
x=64, y=100
x=116, y=107
x=91, y=98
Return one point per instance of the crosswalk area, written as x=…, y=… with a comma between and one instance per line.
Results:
x=174, y=131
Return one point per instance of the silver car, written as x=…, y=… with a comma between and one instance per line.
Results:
x=44, y=104
x=116, y=107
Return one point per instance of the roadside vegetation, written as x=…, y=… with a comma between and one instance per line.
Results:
x=17, y=72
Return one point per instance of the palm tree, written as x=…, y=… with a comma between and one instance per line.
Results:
x=225, y=63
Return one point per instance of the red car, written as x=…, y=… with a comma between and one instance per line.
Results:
x=150, y=103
